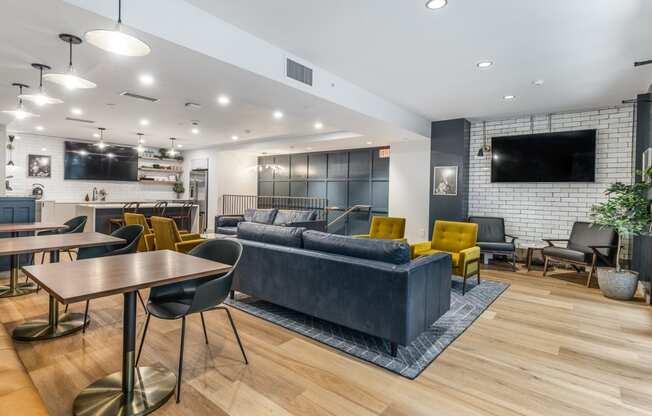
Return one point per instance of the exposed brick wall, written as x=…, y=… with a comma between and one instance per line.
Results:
x=533, y=211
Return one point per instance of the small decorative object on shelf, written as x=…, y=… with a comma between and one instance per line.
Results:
x=178, y=188
x=628, y=212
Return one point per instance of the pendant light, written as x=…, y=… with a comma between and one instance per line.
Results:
x=140, y=147
x=485, y=148
x=115, y=41
x=172, y=152
x=70, y=79
x=101, y=143
x=19, y=112
x=41, y=98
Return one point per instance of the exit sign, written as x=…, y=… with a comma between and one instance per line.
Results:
x=383, y=153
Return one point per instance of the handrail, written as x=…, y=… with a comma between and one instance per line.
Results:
x=346, y=213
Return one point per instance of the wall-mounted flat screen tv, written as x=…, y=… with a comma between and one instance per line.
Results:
x=86, y=161
x=546, y=157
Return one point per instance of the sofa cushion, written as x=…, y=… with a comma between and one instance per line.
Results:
x=383, y=250
x=491, y=246
x=226, y=230
x=567, y=254
x=271, y=234
x=286, y=216
x=490, y=229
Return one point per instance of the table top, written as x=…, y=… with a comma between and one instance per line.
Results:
x=30, y=226
x=77, y=281
x=32, y=244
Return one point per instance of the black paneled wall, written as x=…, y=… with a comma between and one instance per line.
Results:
x=345, y=178
x=641, y=258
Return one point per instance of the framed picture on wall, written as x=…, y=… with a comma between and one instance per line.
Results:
x=445, y=182
x=38, y=166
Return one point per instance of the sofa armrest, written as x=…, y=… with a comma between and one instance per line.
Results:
x=228, y=220
x=190, y=236
x=187, y=245
x=361, y=236
x=551, y=241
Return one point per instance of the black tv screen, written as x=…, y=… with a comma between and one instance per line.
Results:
x=546, y=157
x=88, y=162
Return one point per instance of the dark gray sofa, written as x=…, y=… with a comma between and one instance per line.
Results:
x=368, y=285
x=228, y=224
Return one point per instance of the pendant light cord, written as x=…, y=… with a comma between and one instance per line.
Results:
x=119, y=12
x=70, y=54
x=40, y=81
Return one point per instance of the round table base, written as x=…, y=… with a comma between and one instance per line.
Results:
x=20, y=290
x=152, y=388
x=40, y=329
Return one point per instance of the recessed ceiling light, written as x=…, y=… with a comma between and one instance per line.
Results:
x=194, y=130
x=40, y=128
x=96, y=135
x=144, y=122
x=179, y=145
x=485, y=64
x=44, y=149
x=146, y=79
x=310, y=148
x=370, y=142
x=278, y=114
x=76, y=111
x=509, y=97
x=436, y=4
x=223, y=100
x=538, y=82
x=17, y=137
x=319, y=125
x=234, y=138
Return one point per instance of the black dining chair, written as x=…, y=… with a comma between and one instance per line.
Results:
x=74, y=225
x=130, y=233
x=178, y=300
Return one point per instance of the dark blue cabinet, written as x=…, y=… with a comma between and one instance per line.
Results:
x=16, y=210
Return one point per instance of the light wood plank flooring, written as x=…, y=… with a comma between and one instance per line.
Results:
x=547, y=347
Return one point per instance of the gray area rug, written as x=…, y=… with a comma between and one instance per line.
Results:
x=410, y=360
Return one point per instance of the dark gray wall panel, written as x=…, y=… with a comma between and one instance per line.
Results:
x=336, y=192
x=359, y=193
x=317, y=189
x=299, y=167
x=380, y=195
x=298, y=189
x=380, y=166
x=266, y=188
x=338, y=165
x=317, y=165
x=282, y=167
x=281, y=188
x=265, y=171
x=360, y=164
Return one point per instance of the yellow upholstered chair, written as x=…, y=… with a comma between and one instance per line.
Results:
x=146, y=242
x=386, y=228
x=168, y=237
x=457, y=239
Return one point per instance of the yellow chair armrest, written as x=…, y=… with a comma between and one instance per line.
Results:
x=426, y=245
x=187, y=237
x=469, y=254
x=400, y=240
x=361, y=236
x=186, y=246
x=150, y=242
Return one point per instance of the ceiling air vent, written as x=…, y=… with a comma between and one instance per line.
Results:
x=139, y=97
x=80, y=120
x=298, y=72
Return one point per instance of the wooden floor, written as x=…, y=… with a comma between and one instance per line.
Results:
x=548, y=346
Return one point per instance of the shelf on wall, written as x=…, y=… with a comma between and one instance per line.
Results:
x=158, y=182
x=159, y=160
x=160, y=170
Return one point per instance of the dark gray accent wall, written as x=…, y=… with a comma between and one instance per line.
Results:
x=449, y=146
x=641, y=258
x=345, y=178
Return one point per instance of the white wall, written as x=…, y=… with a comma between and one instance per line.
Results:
x=533, y=211
x=409, y=186
x=58, y=189
x=3, y=143
x=230, y=172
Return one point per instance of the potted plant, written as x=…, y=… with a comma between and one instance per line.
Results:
x=178, y=188
x=627, y=210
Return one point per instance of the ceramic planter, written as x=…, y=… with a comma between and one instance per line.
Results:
x=618, y=285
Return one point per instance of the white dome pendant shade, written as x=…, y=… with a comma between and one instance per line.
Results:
x=41, y=98
x=116, y=41
x=70, y=79
x=19, y=112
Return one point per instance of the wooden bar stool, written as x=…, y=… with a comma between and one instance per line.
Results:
x=184, y=217
x=119, y=222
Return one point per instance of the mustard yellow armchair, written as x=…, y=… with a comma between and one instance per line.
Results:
x=386, y=228
x=457, y=239
x=146, y=242
x=168, y=237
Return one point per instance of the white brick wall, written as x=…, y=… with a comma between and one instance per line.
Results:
x=533, y=211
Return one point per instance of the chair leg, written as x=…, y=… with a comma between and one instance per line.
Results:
x=43, y=257
x=85, y=317
x=203, y=324
x=142, y=302
x=142, y=339
x=588, y=281
x=235, y=331
x=463, y=285
x=545, y=266
x=70, y=255
x=66, y=309
x=183, y=335
x=514, y=261
x=393, y=349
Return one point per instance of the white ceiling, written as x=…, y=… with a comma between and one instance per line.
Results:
x=29, y=33
x=425, y=60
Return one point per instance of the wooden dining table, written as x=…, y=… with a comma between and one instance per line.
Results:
x=15, y=288
x=53, y=325
x=134, y=390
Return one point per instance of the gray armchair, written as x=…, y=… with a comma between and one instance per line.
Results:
x=492, y=238
x=587, y=246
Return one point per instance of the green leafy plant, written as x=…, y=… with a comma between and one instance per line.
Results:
x=627, y=210
x=178, y=187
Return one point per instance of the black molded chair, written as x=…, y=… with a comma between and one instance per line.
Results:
x=588, y=246
x=492, y=238
x=75, y=225
x=130, y=233
x=178, y=300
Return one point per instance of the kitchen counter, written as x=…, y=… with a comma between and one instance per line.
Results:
x=100, y=213
x=111, y=205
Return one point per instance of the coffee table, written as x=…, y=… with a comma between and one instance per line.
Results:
x=15, y=288
x=134, y=390
x=52, y=326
